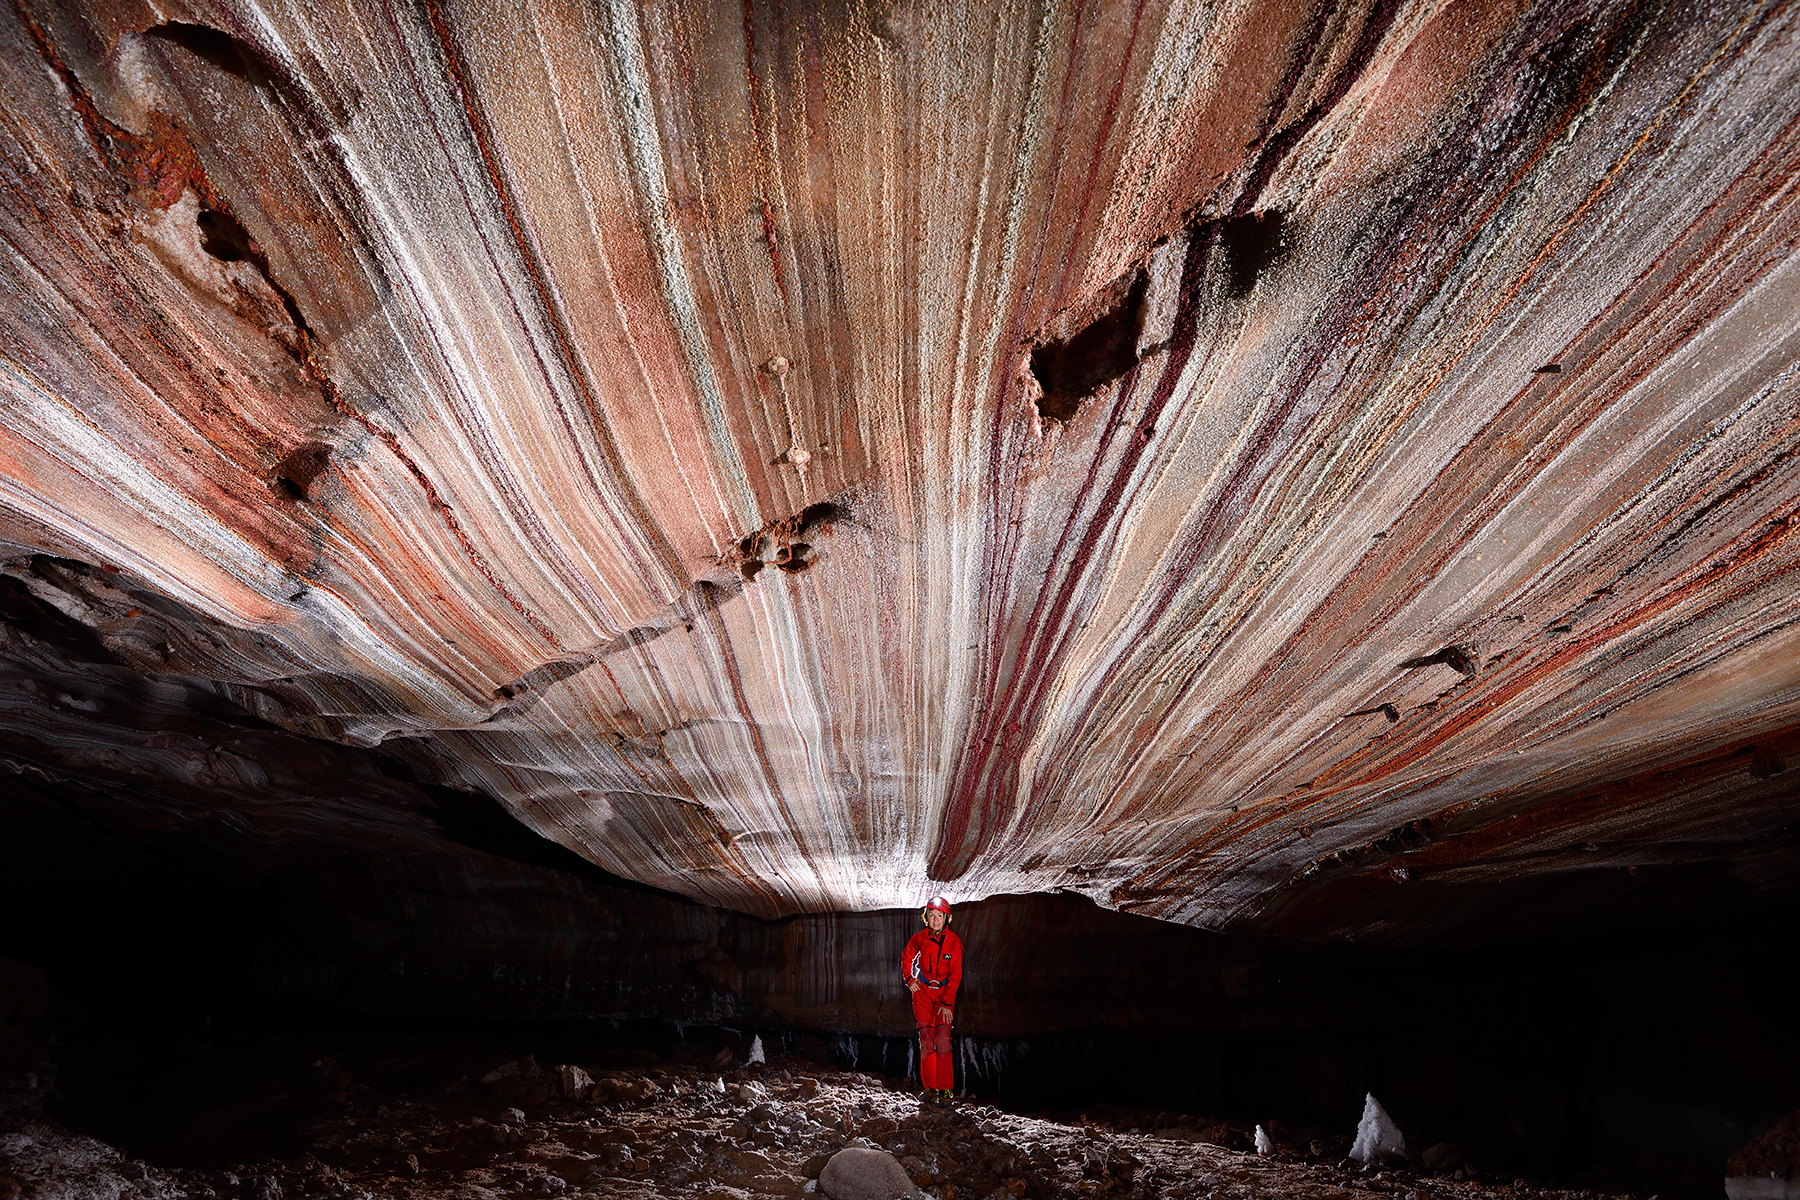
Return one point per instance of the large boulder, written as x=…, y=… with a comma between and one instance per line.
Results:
x=1769, y=1167
x=858, y=1174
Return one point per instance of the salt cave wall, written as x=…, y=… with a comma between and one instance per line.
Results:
x=202, y=885
x=161, y=835
x=1286, y=468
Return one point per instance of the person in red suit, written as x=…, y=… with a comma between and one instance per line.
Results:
x=932, y=968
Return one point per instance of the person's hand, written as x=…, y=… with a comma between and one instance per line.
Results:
x=912, y=985
x=943, y=1014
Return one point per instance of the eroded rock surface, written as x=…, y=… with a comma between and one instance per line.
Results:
x=1294, y=469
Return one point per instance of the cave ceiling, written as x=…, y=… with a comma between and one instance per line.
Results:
x=1247, y=463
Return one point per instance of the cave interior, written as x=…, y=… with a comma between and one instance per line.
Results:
x=544, y=534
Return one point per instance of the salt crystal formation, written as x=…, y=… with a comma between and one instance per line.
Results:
x=1377, y=1136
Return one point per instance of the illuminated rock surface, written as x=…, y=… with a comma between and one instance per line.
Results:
x=418, y=1117
x=1283, y=469
x=766, y=1134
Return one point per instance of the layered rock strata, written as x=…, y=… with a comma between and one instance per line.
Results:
x=1237, y=463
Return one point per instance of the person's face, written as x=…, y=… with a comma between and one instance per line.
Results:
x=936, y=920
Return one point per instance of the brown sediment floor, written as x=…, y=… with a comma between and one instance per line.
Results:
x=512, y=1130
x=1300, y=470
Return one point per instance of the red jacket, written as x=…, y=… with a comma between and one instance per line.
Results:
x=934, y=958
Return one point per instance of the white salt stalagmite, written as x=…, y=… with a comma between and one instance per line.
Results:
x=1376, y=1134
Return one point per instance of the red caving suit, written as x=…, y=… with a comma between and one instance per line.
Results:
x=935, y=960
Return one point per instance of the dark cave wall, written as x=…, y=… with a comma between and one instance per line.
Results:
x=1543, y=816
x=170, y=856
x=1335, y=558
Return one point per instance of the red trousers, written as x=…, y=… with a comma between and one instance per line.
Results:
x=937, y=1070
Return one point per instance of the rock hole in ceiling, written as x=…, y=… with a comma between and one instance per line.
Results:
x=1458, y=657
x=793, y=557
x=1766, y=763
x=215, y=46
x=823, y=513
x=1070, y=370
x=1254, y=244
x=222, y=237
x=294, y=474
x=779, y=542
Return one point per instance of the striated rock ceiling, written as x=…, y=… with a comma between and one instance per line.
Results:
x=1248, y=463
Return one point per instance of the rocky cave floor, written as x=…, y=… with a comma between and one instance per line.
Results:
x=662, y=1127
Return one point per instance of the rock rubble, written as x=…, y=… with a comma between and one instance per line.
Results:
x=786, y=1130
x=1418, y=377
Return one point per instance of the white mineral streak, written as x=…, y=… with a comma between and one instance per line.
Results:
x=545, y=254
x=242, y=583
x=113, y=478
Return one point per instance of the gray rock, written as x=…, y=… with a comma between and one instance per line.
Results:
x=856, y=1174
x=752, y=1163
x=575, y=1082
x=524, y=1068
x=626, y=1089
x=1769, y=1167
